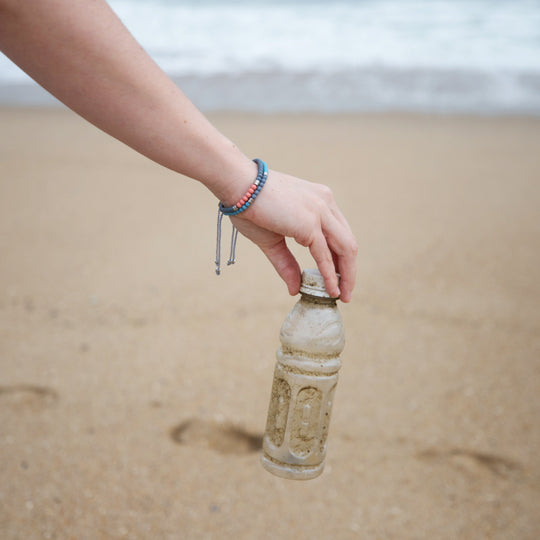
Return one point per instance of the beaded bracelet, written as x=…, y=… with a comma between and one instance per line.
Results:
x=243, y=204
x=251, y=193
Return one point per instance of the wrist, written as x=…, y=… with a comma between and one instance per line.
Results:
x=230, y=175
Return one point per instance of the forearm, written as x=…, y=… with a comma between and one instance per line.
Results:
x=81, y=52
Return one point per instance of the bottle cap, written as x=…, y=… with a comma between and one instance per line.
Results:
x=313, y=283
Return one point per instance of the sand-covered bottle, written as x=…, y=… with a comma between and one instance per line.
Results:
x=305, y=377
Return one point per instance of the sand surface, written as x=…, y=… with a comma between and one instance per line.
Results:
x=134, y=383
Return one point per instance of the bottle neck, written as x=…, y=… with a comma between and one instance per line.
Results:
x=325, y=301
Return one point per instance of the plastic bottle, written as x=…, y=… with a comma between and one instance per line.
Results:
x=312, y=338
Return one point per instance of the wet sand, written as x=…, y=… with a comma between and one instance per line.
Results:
x=134, y=383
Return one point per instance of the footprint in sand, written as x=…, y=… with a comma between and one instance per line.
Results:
x=27, y=396
x=225, y=438
x=471, y=461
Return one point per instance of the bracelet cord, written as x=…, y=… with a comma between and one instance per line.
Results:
x=243, y=204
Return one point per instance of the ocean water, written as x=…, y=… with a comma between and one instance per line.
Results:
x=464, y=56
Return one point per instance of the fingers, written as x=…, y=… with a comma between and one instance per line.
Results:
x=342, y=245
x=348, y=277
x=340, y=242
x=285, y=264
x=323, y=257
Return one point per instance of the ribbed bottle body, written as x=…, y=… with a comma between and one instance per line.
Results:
x=305, y=377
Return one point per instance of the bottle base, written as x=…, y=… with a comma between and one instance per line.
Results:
x=291, y=472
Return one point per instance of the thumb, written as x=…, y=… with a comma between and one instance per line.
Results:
x=285, y=264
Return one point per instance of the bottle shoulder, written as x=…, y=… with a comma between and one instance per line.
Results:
x=313, y=328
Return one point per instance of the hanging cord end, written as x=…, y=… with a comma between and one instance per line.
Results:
x=218, y=242
x=232, y=255
x=243, y=204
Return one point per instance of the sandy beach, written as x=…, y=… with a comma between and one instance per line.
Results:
x=134, y=382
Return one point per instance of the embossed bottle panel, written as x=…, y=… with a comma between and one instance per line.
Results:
x=278, y=411
x=305, y=421
x=305, y=379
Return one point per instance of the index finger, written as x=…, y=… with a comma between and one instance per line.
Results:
x=323, y=257
x=341, y=241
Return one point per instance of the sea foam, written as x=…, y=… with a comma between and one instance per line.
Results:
x=434, y=55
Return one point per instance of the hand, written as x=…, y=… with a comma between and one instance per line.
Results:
x=307, y=212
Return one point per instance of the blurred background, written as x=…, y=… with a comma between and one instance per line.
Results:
x=450, y=56
x=134, y=383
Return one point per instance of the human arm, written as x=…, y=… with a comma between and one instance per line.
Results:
x=81, y=52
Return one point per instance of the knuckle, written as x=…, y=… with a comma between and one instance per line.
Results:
x=326, y=193
x=304, y=238
x=348, y=249
x=327, y=259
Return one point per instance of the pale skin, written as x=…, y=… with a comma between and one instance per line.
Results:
x=81, y=52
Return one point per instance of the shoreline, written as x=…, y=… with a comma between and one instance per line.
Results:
x=391, y=114
x=448, y=92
